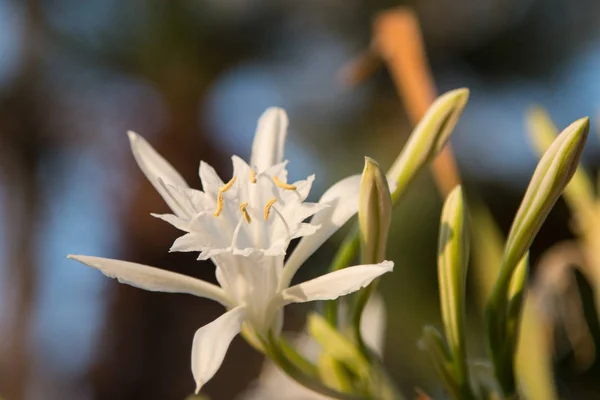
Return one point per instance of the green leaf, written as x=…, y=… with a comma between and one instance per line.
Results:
x=453, y=257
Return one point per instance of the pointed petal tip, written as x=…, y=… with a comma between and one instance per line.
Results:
x=199, y=385
x=274, y=110
x=132, y=136
x=457, y=96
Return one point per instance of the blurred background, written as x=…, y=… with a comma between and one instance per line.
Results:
x=193, y=76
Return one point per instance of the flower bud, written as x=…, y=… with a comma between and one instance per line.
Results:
x=453, y=256
x=429, y=137
x=374, y=212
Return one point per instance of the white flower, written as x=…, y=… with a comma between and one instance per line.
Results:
x=245, y=226
x=275, y=384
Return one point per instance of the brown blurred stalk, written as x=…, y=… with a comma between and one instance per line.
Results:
x=398, y=42
x=22, y=149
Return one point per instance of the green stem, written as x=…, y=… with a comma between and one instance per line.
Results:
x=345, y=255
x=361, y=302
x=278, y=356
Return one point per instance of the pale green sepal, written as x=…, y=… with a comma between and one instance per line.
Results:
x=453, y=257
x=428, y=138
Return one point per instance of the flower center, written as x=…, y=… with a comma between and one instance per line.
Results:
x=244, y=205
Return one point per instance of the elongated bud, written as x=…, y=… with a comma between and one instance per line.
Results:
x=579, y=193
x=429, y=137
x=550, y=178
x=374, y=212
x=453, y=257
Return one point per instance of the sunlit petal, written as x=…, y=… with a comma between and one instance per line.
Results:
x=335, y=284
x=153, y=279
x=343, y=200
x=210, y=180
x=267, y=148
x=373, y=323
x=211, y=343
x=155, y=167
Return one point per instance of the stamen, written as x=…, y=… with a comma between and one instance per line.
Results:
x=219, y=204
x=252, y=176
x=282, y=185
x=222, y=190
x=245, y=212
x=228, y=185
x=268, y=207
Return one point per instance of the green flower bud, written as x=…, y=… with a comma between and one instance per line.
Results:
x=579, y=193
x=550, y=178
x=428, y=138
x=453, y=257
x=374, y=212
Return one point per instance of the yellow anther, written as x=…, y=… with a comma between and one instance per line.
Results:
x=245, y=212
x=227, y=186
x=219, y=204
x=268, y=207
x=222, y=190
x=252, y=176
x=282, y=185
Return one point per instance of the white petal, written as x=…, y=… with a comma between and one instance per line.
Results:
x=373, y=322
x=154, y=279
x=267, y=148
x=210, y=180
x=343, y=200
x=179, y=223
x=335, y=284
x=211, y=343
x=188, y=242
x=155, y=167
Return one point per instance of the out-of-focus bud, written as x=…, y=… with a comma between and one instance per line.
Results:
x=336, y=345
x=453, y=257
x=428, y=138
x=374, y=212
